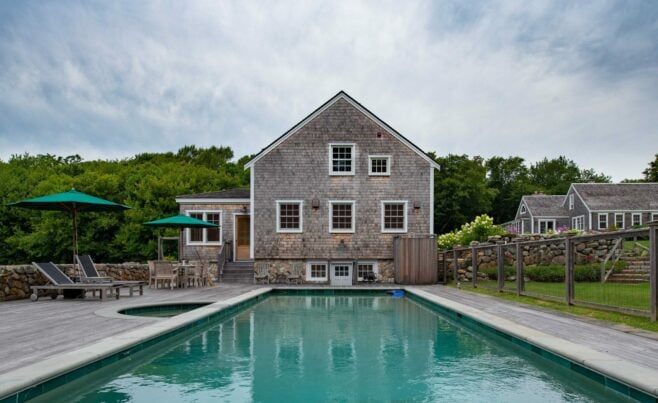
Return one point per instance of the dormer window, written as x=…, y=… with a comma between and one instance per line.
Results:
x=379, y=165
x=341, y=159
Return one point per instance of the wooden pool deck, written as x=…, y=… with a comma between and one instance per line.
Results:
x=33, y=331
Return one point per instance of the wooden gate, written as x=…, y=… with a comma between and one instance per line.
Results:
x=415, y=259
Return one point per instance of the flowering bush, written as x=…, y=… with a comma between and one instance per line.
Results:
x=478, y=230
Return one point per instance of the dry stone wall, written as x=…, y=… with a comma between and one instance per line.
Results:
x=15, y=281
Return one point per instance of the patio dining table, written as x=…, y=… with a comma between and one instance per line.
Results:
x=182, y=270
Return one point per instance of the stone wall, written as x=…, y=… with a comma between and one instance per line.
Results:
x=15, y=281
x=586, y=252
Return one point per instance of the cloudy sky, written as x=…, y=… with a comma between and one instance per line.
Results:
x=111, y=79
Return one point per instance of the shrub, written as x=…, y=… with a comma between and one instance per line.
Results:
x=555, y=274
x=478, y=230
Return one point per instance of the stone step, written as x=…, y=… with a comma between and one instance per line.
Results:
x=627, y=280
x=634, y=271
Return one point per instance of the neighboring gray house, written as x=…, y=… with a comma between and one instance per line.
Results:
x=539, y=214
x=589, y=207
x=332, y=192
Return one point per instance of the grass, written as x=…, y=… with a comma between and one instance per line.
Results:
x=613, y=317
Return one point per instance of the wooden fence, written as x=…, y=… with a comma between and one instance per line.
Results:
x=415, y=259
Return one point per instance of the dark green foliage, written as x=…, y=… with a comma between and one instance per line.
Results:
x=549, y=274
x=651, y=173
x=148, y=183
x=554, y=176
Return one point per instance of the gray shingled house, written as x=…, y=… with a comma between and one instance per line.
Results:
x=589, y=207
x=332, y=193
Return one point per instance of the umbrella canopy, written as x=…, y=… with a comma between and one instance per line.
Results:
x=181, y=221
x=72, y=202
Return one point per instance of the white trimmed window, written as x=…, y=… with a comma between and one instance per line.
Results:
x=289, y=216
x=523, y=209
x=578, y=223
x=636, y=219
x=205, y=236
x=571, y=201
x=619, y=220
x=394, y=216
x=342, y=216
x=316, y=271
x=603, y=221
x=546, y=225
x=342, y=159
x=366, y=270
x=379, y=165
x=654, y=216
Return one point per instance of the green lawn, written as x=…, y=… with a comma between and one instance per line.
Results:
x=634, y=296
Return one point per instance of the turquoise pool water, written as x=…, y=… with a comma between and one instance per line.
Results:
x=336, y=348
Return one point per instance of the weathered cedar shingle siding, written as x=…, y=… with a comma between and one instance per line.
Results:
x=298, y=169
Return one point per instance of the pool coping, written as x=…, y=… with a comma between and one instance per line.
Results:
x=15, y=382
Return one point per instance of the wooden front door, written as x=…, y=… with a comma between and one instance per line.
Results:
x=242, y=239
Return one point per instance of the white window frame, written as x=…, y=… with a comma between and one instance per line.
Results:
x=188, y=231
x=379, y=157
x=598, y=221
x=578, y=223
x=623, y=220
x=571, y=202
x=546, y=220
x=317, y=262
x=523, y=209
x=406, y=216
x=633, y=219
x=331, y=159
x=301, y=216
x=331, y=215
x=654, y=216
x=375, y=268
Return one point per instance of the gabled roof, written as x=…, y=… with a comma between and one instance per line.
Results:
x=618, y=196
x=322, y=108
x=545, y=205
x=235, y=193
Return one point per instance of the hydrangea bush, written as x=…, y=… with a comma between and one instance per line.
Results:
x=478, y=230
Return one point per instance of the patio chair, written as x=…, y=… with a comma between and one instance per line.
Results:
x=164, y=272
x=61, y=283
x=296, y=273
x=262, y=272
x=91, y=275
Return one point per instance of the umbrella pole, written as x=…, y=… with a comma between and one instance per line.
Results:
x=75, y=239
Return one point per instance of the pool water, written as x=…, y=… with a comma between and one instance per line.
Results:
x=334, y=348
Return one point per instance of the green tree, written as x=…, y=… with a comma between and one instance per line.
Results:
x=651, y=173
x=460, y=191
x=554, y=176
x=510, y=178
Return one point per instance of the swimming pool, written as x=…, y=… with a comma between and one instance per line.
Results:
x=343, y=347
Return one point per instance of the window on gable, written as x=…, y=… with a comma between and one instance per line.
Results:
x=341, y=159
x=394, y=216
x=205, y=235
x=289, y=216
x=341, y=216
x=571, y=202
x=523, y=209
x=379, y=165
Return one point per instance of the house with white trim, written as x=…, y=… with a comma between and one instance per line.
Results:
x=331, y=193
x=589, y=207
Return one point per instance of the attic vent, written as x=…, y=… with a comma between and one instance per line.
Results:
x=379, y=135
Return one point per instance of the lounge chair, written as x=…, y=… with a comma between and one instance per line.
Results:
x=90, y=275
x=60, y=282
x=296, y=273
x=262, y=272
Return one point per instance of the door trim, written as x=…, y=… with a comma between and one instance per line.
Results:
x=235, y=233
x=341, y=263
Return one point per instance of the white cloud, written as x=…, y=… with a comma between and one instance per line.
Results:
x=534, y=80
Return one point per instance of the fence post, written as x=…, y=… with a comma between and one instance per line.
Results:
x=653, y=270
x=501, y=267
x=568, y=271
x=474, y=266
x=519, y=269
x=456, y=266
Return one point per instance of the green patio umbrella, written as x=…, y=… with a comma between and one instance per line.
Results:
x=178, y=221
x=72, y=202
